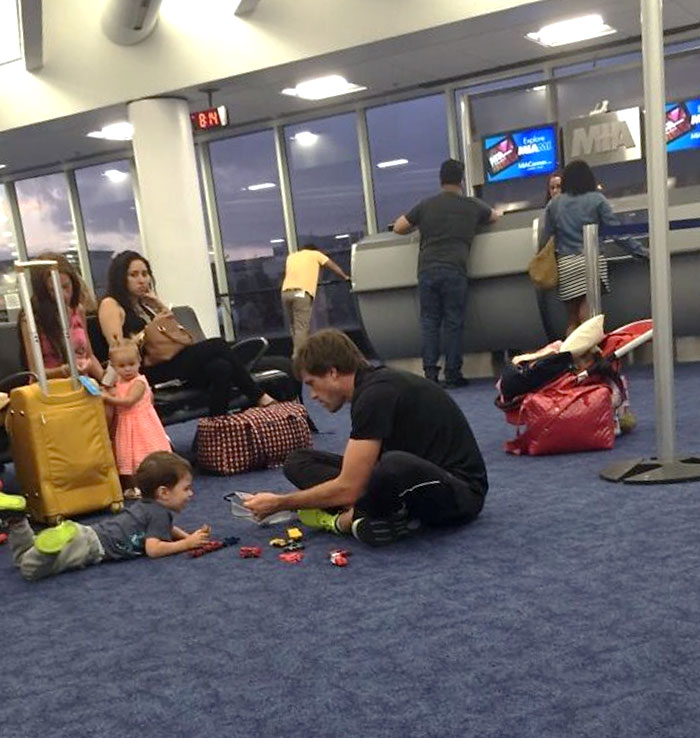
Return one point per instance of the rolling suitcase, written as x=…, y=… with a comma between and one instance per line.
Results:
x=58, y=432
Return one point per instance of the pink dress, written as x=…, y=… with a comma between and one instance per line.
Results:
x=139, y=431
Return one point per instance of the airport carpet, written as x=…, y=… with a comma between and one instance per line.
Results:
x=570, y=608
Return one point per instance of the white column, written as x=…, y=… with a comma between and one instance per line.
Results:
x=172, y=220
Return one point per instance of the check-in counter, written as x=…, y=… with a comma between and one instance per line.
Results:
x=504, y=310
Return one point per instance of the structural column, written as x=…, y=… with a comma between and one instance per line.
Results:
x=170, y=208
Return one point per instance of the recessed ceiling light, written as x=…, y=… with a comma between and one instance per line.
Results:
x=276, y=240
x=571, y=31
x=261, y=186
x=115, y=175
x=121, y=131
x=322, y=87
x=392, y=163
x=537, y=88
x=343, y=235
x=305, y=138
x=2, y=166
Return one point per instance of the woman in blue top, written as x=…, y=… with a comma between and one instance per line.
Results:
x=580, y=203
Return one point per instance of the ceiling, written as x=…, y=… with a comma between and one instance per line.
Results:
x=404, y=64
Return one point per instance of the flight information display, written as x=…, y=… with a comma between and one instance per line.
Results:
x=528, y=152
x=683, y=125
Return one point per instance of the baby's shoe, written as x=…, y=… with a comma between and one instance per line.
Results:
x=54, y=540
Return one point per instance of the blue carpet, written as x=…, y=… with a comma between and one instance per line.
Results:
x=570, y=608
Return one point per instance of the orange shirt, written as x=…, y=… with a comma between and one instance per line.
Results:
x=301, y=272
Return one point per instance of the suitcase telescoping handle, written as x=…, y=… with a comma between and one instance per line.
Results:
x=21, y=268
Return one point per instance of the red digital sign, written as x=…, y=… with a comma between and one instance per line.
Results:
x=203, y=120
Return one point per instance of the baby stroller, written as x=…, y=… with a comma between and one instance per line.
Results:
x=570, y=396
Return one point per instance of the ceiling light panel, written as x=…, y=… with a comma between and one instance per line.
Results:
x=120, y=131
x=261, y=186
x=392, y=163
x=321, y=88
x=571, y=31
x=305, y=138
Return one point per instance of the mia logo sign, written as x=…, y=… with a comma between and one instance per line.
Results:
x=604, y=139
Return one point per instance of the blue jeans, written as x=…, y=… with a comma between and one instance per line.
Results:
x=443, y=298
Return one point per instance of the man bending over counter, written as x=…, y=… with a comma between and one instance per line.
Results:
x=411, y=459
x=448, y=222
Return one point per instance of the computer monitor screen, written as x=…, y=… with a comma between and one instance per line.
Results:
x=528, y=152
x=683, y=125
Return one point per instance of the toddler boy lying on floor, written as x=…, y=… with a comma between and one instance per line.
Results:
x=146, y=527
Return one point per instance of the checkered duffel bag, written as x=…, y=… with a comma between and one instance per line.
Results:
x=258, y=438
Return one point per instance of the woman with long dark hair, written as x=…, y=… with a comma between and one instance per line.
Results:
x=131, y=303
x=579, y=203
x=48, y=323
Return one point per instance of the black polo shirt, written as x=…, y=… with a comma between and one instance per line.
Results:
x=409, y=413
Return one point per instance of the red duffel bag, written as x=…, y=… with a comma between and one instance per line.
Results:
x=562, y=417
x=258, y=438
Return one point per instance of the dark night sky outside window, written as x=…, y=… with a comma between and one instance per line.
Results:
x=252, y=229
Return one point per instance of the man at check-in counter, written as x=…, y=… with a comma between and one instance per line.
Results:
x=447, y=222
x=299, y=288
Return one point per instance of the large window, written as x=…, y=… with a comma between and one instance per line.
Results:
x=406, y=161
x=46, y=218
x=109, y=215
x=9, y=299
x=324, y=165
x=252, y=229
x=10, y=46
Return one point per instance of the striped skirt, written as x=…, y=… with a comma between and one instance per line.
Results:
x=572, y=275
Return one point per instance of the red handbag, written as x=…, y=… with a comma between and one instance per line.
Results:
x=562, y=417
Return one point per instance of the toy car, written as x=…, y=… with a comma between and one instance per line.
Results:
x=294, y=534
x=278, y=542
x=339, y=557
x=3, y=538
x=291, y=557
x=294, y=546
x=250, y=552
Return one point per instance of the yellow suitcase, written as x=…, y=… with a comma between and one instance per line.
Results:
x=60, y=443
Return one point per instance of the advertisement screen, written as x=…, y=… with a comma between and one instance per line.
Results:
x=526, y=153
x=683, y=125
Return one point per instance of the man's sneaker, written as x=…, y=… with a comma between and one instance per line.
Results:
x=380, y=532
x=12, y=507
x=319, y=519
x=54, y=540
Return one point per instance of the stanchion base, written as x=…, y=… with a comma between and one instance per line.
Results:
x=653, y=471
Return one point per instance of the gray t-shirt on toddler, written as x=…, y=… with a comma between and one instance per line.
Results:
x=124, y=535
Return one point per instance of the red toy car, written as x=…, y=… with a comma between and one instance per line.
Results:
x=339, y=557
x=250, y=552
x=291, y=557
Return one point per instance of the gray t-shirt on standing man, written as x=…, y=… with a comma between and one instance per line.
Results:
x=447, y=223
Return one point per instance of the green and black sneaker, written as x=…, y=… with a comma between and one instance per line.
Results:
x=319, y=519
x=383, y=531
x=11, y=508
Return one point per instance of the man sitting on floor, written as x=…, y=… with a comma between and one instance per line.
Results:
x=411, y=459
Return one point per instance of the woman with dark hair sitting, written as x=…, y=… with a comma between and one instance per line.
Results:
x=579, y=203
x=131, y=304
x=49, y=326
